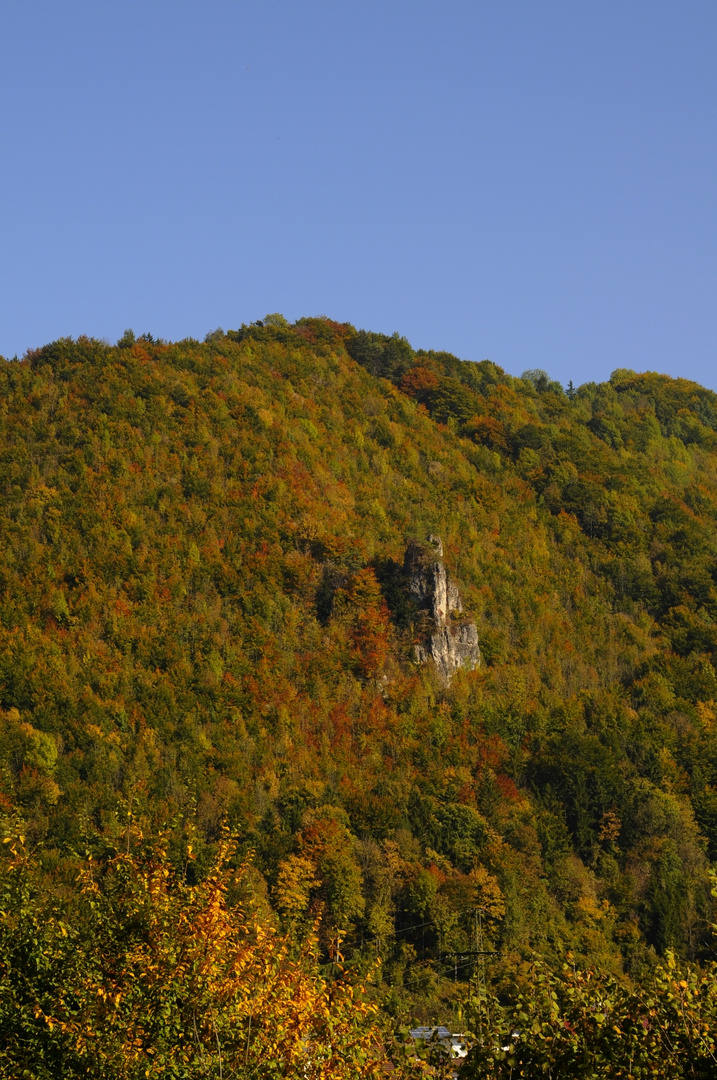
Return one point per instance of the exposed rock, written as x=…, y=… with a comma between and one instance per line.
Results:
x=451, y=641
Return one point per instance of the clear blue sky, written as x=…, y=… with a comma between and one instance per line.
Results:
x=533, y=181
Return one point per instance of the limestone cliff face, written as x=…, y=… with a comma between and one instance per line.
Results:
x=451, y=642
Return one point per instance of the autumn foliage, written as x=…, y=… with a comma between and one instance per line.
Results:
x=205, y=622
x=144, y=975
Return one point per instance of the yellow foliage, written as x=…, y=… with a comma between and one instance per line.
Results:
x=297, y=877
x=488, y=894
x=178, y=982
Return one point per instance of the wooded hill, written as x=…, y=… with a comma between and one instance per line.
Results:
x=204, y=623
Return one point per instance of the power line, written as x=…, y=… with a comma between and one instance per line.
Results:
x=418, y=926
x=452, y=968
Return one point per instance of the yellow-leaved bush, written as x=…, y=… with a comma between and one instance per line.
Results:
x=149, y=976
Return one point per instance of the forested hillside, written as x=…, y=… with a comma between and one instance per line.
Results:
x=204, y=627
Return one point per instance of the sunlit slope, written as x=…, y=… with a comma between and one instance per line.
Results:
x=201, y=614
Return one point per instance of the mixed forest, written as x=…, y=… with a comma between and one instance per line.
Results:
x=245, y=832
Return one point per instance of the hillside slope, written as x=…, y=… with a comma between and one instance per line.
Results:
x=203, y=619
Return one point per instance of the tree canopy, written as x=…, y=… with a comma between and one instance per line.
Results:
x=203, y=626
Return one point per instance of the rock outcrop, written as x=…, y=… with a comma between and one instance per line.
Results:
x=450, y=641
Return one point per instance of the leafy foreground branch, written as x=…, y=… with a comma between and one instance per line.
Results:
x=580, y=1024
x=147, y=976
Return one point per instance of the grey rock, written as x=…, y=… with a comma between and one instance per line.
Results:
x=451, y=642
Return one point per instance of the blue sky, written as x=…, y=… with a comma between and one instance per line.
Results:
x=532, y=182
